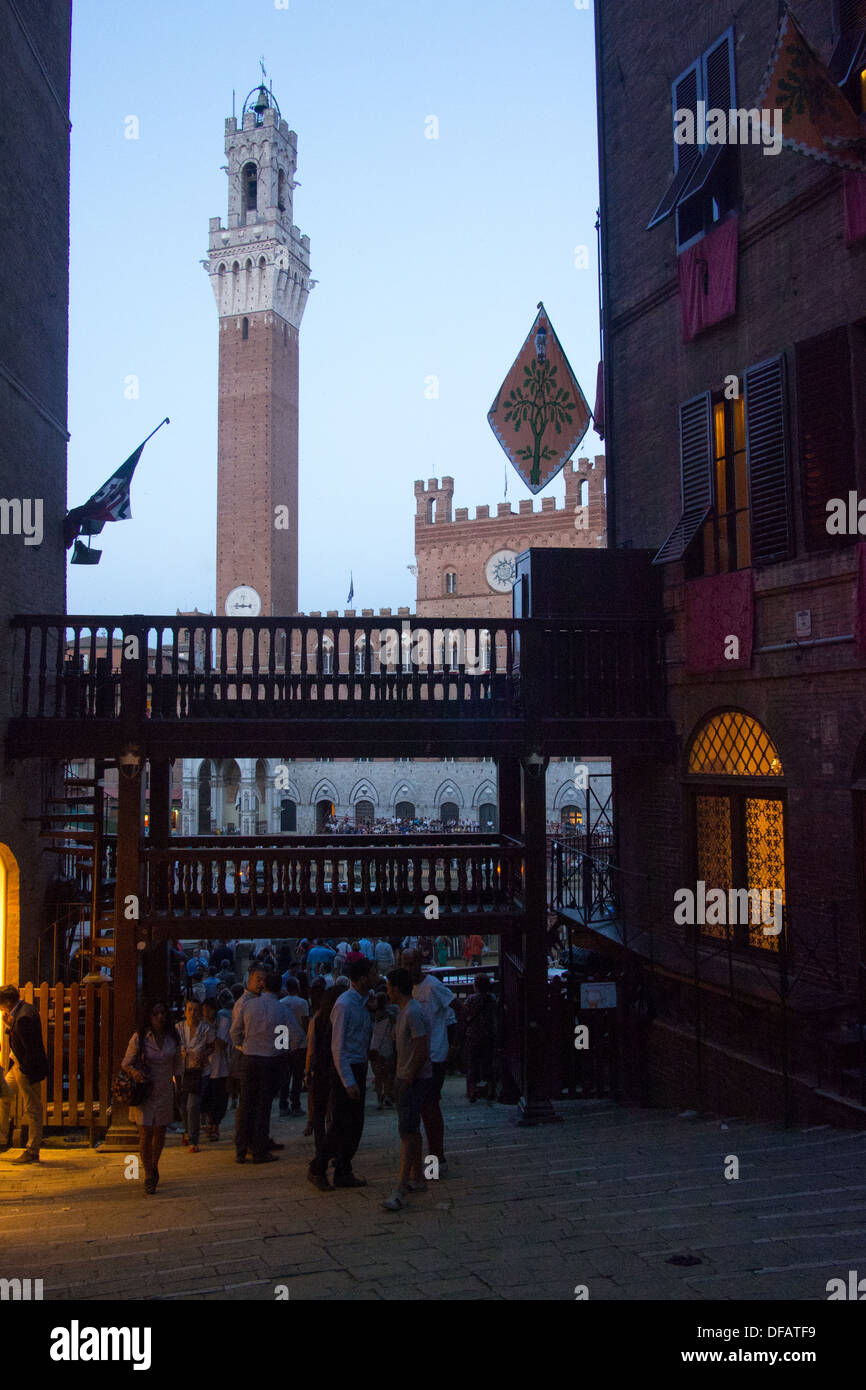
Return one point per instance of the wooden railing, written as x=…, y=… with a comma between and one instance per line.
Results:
x=134, y=667
x=76, y=1032
x=361, y=876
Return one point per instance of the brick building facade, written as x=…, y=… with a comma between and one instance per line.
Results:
x=466, y=566
x=753, y=421
x=34, y=292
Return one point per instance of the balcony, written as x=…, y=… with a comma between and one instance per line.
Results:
x=304, y=686
x=202, y=885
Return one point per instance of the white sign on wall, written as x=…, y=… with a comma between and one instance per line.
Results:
x=599, y=994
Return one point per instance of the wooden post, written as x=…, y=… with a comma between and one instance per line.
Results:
x=122, y=1136
x=535, y=1104
x=155, y=956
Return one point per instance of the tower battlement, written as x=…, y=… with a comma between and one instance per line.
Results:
x=576, y=473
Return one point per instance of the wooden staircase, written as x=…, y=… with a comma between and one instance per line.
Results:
x=71, y=823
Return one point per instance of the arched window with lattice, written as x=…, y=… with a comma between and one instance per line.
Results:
x=739, y=830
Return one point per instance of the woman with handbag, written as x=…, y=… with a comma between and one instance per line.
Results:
x=152, y=1059
x=197, y=1040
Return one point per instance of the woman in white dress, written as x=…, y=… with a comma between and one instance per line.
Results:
x=157, y=1045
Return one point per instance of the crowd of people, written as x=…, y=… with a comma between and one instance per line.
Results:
x=342, y=825
x=336, y=1009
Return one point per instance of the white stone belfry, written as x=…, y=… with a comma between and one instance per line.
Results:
x=260, y=261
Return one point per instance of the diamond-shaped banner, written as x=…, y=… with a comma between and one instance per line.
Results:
x=817, y=118
x=540, y=414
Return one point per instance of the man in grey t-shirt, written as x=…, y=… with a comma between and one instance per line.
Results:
x=413, y=1079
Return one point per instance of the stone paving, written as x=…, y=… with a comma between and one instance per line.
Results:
x=605, y=1199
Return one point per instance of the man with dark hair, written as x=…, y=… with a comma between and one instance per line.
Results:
x=255, y=1019
x=351, y=1030
x=412, y=1084
x=29, y=1067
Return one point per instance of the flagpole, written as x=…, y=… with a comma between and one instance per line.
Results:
x=166, y=421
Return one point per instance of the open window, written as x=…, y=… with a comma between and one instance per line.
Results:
x=734, y=465
x=847, y=65
x=703, y=189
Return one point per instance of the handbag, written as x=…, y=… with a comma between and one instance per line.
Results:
x=126, y=1090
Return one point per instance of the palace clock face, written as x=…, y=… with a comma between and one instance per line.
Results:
x=243, y=602
x=501, y=571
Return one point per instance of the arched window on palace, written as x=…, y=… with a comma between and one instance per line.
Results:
x=571, y=815
x=487, y=816
x=404, y=810
x=450, y=582
x=250, y=186
x=324, y=810
x=449, y=813
x=364, y=813
x=288, y=814
x=738, y=824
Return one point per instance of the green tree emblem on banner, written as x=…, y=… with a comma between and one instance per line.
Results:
x=538, y=403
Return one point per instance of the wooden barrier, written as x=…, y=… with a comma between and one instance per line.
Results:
x=76, y=1033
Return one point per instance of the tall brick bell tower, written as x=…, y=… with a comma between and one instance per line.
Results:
x=259, y=268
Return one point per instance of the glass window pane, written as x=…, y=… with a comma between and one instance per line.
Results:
x=739, y=422
x=765, y=866
x=734, y=745
x=714, y=851
x=721, y=486
x=719, y=428
x=741, y=480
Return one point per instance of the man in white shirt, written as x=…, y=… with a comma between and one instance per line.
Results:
x=435, y=999
x=255, y=1019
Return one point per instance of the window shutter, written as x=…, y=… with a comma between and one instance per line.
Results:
x=695, y=477
x=767, y=455
x=718, y=64
x=826, y=428
x=850, y=14
x=684, y=97
x=850, y=22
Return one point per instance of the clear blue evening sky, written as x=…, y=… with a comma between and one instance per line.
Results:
x=431, y=256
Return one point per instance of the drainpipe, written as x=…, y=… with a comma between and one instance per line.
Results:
x=610, y=474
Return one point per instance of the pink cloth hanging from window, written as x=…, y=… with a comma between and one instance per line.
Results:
x=854, y=197
x=708, y=279
x=718, y=608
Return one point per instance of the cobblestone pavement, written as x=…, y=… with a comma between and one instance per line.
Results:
x=604, y=1199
